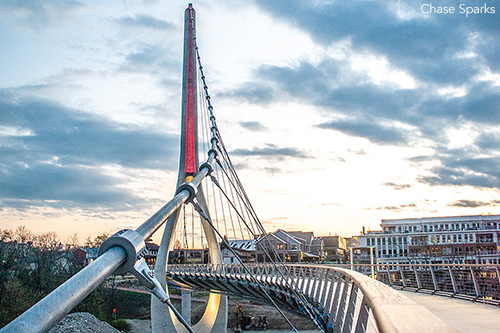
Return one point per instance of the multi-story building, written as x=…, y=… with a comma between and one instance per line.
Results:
x=334, y=249
x=455, y=239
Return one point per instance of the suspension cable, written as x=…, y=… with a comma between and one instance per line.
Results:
x=217, y=143
x=252, y=276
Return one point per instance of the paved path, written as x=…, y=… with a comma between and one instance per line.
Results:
x=465, y=316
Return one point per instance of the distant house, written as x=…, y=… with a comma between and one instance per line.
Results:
x=335, y=249
x=85, y=255
x=79, y=255
x=244, y=249
x=312, y=246
x=289, y=246
x=151, y=253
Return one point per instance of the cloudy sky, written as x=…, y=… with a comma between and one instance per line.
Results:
x=337, y=113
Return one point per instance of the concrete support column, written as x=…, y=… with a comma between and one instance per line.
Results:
x=186, y=304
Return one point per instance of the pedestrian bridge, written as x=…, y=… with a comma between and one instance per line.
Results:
x=463, y=315
x=336, y=299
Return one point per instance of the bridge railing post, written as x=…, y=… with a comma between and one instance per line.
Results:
x=364, y=314
x=335, y=301
x=320, y=277
x=453, y=282
x=417, y=278
x=327, y=279
x=474, y=279
x=307, y=278
x=340, y=313
x=403, y=281
x=351, y=305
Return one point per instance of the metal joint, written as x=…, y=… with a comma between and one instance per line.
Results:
x=135, y=248
x=212, y=151
x=187, y=186
x=200, y=210
x=208, y=166
x=133, y=244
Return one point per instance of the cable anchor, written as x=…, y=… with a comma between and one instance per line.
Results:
x=135, y=249
x=200, y=210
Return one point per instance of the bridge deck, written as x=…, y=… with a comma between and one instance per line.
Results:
x=465, y=316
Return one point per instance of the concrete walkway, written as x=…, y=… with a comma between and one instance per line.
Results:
x=465, y=316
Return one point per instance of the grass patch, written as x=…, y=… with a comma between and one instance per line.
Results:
x=131, y=305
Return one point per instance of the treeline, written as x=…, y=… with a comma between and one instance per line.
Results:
x=31, y=266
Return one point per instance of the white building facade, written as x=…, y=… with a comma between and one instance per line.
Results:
x=455, y=240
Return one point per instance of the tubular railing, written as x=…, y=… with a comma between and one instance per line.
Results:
x=119, y=253
x=347, y=301
x=475, y=282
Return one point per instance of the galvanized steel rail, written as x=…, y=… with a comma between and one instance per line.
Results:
x=345, y=300
x=474, y=282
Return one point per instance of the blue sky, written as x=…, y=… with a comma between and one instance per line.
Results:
x=337, y=114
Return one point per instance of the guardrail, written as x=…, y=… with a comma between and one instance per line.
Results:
x=474, y=282
x=345, y=299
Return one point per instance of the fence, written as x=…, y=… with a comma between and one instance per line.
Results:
x=474, y=282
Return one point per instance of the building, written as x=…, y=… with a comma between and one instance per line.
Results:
x=334, y=249
x=455, y=239
x=85, y=255
x=188, y=256
x=151, y=254
x=290, y=246
x=359, y=256
x=244, y=249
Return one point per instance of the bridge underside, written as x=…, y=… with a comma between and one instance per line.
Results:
x=260, y=289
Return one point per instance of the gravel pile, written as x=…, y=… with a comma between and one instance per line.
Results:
x=82, y=322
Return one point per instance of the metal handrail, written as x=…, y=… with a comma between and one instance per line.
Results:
x=335, y=290
x=474, y=282
x=392, y=311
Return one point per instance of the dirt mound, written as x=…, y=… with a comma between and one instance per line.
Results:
x=82, y=322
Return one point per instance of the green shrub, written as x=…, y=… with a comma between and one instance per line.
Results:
x=120, y=324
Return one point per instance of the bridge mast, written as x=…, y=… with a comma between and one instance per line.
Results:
x=189, y=135
x=215, y=317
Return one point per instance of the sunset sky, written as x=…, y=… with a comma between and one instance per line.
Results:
x=337, y=114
